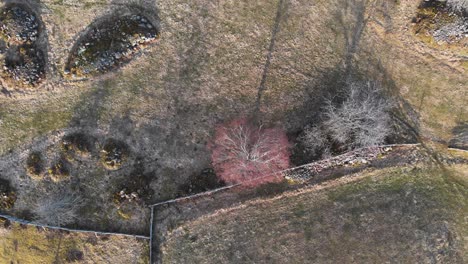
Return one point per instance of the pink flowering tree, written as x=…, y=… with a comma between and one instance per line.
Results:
x=242, y=152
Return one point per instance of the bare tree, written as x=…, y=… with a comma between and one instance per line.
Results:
x=315, y=140
x=58, y=209
x=362, y=119
x=241, y=151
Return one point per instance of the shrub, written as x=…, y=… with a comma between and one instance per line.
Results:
x=34, y=164
x=113, y=154
x=243, y=152
x=76, y=144
x=315, y=140
x=362, y=119
x=59, y=170
x=74, y=255
x=58, y=209
x=7, y=195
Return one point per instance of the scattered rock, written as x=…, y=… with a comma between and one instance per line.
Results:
x=452, y=32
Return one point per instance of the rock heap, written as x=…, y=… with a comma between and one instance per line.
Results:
x=20, y=53
x=109, y=43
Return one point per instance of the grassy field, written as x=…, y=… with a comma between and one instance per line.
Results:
x=405, y=215
x=31, y=245
x=205, y=69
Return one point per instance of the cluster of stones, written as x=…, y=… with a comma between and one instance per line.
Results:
x=125, y=195
x=454, y=31
x=22, y=58
x=445, y=21
x=108, y=44
x=352, y=158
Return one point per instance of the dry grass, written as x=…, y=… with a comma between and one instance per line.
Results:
x=205, y=69
x=418, y=211
x=431, y=77
x=30, y=245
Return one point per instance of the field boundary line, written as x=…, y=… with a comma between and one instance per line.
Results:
x=25, y=222
x=280, y=173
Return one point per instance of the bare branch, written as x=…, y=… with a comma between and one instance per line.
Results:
x=58, y=209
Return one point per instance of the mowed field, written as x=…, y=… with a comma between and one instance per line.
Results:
x=27, y=244
x=405, y=215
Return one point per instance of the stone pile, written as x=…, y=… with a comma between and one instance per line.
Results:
x=22, y=58
x=107, y=44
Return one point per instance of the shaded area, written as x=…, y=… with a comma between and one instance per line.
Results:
x=59, y=170
x=135, y=187
x=332, y=87
x=35, y=163
x=200, y=182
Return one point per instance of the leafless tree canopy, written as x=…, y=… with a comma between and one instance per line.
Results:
x=250, y=144
x=315, y=139
x=361, y=120
x=58, y=209
x=242, y=151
